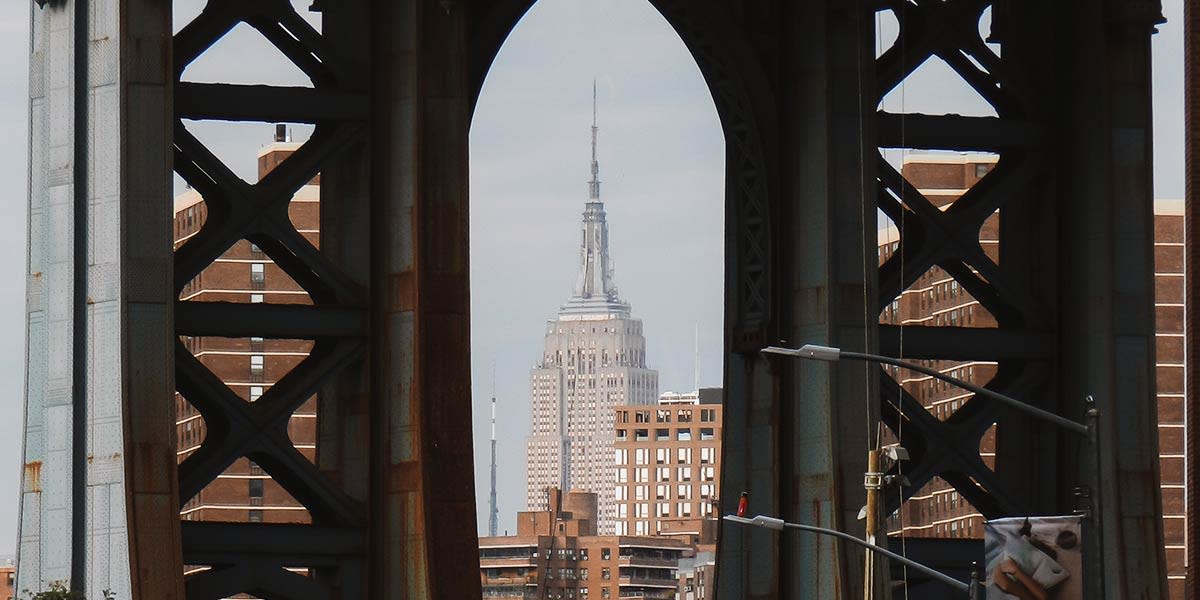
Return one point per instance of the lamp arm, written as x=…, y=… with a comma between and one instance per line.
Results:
x=1029, y=409
x=779, y=524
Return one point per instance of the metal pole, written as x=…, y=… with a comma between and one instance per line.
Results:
x=976, y=591
x=1097, y=561
x=872, y=482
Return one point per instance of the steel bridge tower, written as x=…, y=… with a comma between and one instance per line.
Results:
x=797, y=86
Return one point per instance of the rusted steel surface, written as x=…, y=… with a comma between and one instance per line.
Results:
x=98, y=508
x=426, y=518
x=1191, y=91
x=796, y=86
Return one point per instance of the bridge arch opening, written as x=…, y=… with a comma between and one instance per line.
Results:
x=565, y=353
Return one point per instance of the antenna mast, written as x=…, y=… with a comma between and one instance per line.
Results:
x=594, y=184
x=494, y=512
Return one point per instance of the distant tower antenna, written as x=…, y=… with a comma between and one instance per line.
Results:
x=494, y=512
x=594, y=184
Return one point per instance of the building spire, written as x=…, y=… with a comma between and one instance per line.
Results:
x=595, y=290
x=594, y=184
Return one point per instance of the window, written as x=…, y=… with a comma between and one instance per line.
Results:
x=256, y=392
x=256, y=488
x=583, y=555
x=707, y=433
x=256, y=516
x=622, y=511
x=664, y=473
x=709, y=473
x=256, y=298
x=256, y=367
x=641, y=435
x=981, y=169
x=685, y=509
x=708, y=456
x=622, y=456
x=622, y=475
x=622, y=492
x=685, y=415
x=685, y=474
x=662, y=456
x=684, y=492
x=642, y=474
x=683, y=435
x=257, y=273
x=708, y=415
x=662, y=416
x=605, y=572
x=642, y=456
x=661, y=491
x=639, y=492
x=662, y=434
x=664, y=509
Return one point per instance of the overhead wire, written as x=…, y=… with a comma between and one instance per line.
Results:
x=901, y=249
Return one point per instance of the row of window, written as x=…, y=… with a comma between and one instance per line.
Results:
x=642, y=474
x=664, y=415
x=682, y=434
x=663, y=492
x=662, y=456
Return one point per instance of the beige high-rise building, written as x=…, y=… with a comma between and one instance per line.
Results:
x=594, y=359
x=668, y=459
x=936, y=299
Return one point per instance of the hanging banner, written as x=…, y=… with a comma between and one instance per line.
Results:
x=1034, y=558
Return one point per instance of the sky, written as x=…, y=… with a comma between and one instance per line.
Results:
x=661, y=156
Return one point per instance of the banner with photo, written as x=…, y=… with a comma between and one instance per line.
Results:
x=1034, y=558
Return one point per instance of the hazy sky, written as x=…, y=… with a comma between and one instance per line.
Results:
x=661, y=163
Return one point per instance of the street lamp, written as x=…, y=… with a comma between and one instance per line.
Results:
x=1088, y=431
x=829, y=354
x=971, y=588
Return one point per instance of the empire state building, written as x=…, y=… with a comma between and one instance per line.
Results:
x=594, y=360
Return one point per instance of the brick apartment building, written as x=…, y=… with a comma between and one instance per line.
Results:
x=8, y=582
x=668, y=458
x=936, y=299
x=244, y=493
x=556, y=555
x=696, y=576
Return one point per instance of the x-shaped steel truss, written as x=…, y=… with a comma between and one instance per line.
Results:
x=950, y=239
x=254, y=557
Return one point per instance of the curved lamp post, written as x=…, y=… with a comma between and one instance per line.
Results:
x=1088, y=431
x=971, y=588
